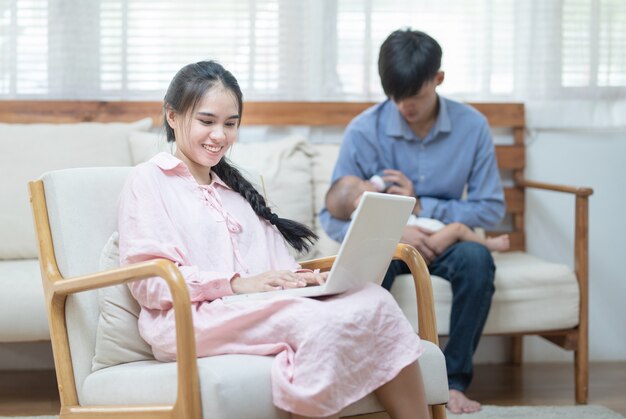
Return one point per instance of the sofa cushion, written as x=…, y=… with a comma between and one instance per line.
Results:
x=531, y=295
x=286, y=169
x=323, y=164
x=223, y=380
x=117, y=336
x=145, y=145
x=29, y=150
x=23, y=300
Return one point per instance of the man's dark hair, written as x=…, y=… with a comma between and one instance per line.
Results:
x=407, y=60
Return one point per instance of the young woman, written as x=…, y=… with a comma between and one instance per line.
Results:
x=196, y=210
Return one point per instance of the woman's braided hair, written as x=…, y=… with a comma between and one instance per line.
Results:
x=184, y=93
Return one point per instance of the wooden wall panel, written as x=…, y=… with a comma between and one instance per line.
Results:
x=514, y=198
x=511, y=156
x=255, y=113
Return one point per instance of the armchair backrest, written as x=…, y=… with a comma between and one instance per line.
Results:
x=82, y=212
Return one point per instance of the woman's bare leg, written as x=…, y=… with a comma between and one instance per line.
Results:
x=404, y=396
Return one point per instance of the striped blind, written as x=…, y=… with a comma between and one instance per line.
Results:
x=310, y=49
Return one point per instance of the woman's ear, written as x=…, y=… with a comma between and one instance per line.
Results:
x=170, y=116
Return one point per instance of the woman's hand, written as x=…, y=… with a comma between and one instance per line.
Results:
x=267, y=281
x=314, y=278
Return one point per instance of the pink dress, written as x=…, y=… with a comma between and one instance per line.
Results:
x=328, y=352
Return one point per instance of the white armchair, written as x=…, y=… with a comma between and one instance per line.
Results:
x=75, y=212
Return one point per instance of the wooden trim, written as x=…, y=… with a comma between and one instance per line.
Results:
x=55, y=304
x=302, y=113
x=62, y=111
x=514, y=198
x=567, y=340
x=579, y=191
x=427, y=322
x=323, y=264
x=56, y=289
x=502, y=114
x=255, y=113
x=581, y=267
x=511, y=156
x=438, y=411
x=518, y=135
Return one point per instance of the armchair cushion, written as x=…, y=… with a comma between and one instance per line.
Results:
x=531, y=295
x=223, y=380
x=117, y=337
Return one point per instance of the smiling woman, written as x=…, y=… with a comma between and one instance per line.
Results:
x=203, y=141
x=198, y=211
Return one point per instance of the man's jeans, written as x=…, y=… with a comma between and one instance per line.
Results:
x=470, y=269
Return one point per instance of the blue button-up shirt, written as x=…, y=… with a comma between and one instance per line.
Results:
x=457, y=151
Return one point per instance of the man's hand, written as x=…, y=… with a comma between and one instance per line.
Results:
x=402, y=185
x=416, y=237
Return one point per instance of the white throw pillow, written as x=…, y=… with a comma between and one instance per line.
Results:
x=145, y=145
x=29, y=150
x=117, y=336
x=323, y=165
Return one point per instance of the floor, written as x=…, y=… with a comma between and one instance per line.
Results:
x=34, y=392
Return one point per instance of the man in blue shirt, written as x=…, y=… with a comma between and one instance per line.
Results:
x=434, y=149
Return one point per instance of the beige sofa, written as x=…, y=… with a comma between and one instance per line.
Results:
x=532, y=296
x=530, y=293
x=28, y=151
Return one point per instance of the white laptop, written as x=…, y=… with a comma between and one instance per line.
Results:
x=365, y=253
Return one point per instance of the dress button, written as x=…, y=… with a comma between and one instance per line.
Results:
x=422, y=177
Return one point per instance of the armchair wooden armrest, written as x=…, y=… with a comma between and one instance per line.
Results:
x=427, y=322
x=56, y=290
x=581, y=227
x=578, y=191
x=576, y=339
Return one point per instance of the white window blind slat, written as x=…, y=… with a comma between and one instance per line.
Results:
x=310, y=50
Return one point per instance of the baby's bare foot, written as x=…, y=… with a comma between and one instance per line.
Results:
x=459, y=403
x=498, y=244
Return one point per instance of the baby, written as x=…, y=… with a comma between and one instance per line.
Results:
x=442, y=235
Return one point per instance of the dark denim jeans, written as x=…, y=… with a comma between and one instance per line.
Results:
x=470, y=269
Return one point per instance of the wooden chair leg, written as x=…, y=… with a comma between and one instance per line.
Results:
x=438, y=411
x=581, y=369
x=517, y=349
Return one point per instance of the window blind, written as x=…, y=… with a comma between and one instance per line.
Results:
x=310, y=49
